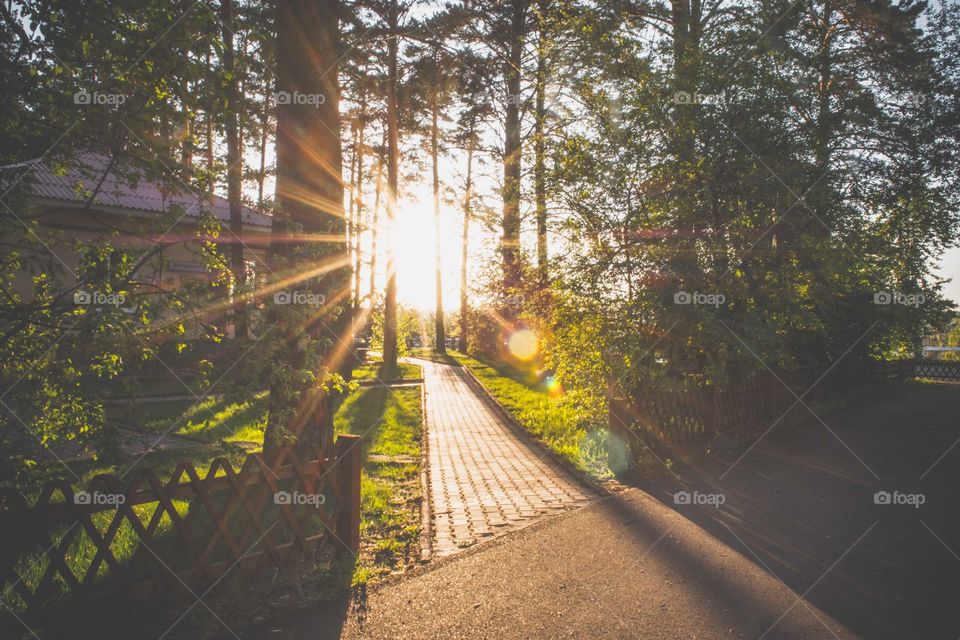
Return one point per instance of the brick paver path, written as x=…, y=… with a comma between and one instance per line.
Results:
x=484, y=479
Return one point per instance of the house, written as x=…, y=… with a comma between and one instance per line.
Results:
x=96, y=202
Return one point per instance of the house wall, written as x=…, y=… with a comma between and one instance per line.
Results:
x=66, y=230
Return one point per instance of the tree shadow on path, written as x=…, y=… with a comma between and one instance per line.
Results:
x=801, y=504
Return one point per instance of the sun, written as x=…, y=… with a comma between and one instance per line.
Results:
x=413, y=245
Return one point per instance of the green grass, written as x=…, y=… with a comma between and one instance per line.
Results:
x=390, y=423
x=562, y=427
x=215, y=419
x=428, y=354
x=375, y=371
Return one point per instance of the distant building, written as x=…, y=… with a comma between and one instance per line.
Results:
x=131, y=212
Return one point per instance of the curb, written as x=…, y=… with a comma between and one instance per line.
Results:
x=528, y=437
x=426, y=529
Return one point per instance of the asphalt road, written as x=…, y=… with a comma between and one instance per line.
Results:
x=625, y=567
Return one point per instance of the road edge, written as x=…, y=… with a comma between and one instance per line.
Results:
x=426, y=504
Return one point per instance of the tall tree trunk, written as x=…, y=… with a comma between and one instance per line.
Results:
x=310, y=196
x=209, y=131
x=824, y=68
x=437, y=263
x=375, y=223
x=468, y=195
x=510, y=242
x=264, y=134
x=351, y=222
x=358, y=194
x=209, y=153
x=539, y=149
x=390, y=302
x=823, y=133
x=238, y=265
x=685, y=24
x=186, y=149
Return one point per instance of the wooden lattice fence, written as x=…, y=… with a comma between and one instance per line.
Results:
x=149, y=538
x=699, y=416
x=937, y=370
x=894, y=371
x=902, y=370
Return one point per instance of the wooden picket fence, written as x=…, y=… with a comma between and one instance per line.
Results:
x=653, y=418
x=179, y=536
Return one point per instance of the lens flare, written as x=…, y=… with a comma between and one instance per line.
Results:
x=523, y=345
x=553, y=386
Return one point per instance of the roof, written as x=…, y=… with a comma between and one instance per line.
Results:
x=118, y=190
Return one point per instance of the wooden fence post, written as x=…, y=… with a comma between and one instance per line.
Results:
x=347, y=448
x=620, y=453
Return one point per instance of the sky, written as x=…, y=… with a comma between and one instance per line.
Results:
x=950, y=268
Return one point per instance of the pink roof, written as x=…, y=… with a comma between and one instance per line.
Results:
x=117, y=189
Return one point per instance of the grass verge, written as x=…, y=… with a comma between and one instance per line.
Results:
x=556, y=423
x=376, y=371
x=390, y=423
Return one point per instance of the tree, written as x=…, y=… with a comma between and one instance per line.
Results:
x=60, y=359
x=544, y=43
x=502, y=30
x=474, y=110
x=512, y=151
x=310, y=199
x=238, y=264
x=393, y=160
x=435, y=97
x=727, y=183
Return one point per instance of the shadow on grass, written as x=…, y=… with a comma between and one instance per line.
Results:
x=214, y=419
x=433, y=356
x=362, y=413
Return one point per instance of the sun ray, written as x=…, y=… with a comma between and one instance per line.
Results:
x=331, y=264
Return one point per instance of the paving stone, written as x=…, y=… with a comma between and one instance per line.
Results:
x=484, y=480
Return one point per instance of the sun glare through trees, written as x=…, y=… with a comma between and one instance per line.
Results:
x=479, y=318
